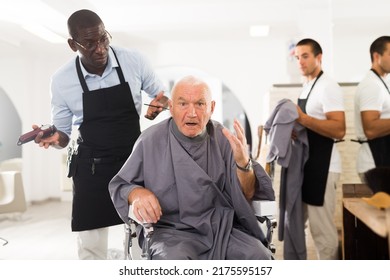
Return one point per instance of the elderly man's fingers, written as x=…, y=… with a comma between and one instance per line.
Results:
x=149, y=214
x=145, y=205
x=239, y=131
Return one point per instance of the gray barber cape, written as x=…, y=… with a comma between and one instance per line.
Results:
x=205, y=214
x=291, y=155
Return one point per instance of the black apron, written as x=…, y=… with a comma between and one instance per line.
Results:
x=317, y=166
x=109, y=130
x=380, y=147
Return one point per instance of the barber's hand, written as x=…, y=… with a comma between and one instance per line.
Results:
x=238, y=143
x=301, y=114
x=294, y=135
x=158, y=104
x=145, y=205
x=46, y=142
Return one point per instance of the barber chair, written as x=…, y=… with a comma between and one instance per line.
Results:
x=264, y=211
x=12, y=164
x=12, y=198
x=133, y=229
x=5, y=242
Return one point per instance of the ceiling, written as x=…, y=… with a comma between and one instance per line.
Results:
x=195, y=20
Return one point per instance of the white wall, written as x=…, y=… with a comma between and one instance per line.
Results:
x=25, y=76
x=248, y=68
x=352, y=57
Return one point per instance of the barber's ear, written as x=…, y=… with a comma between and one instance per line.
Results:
x=319, y=57
x=72, y=44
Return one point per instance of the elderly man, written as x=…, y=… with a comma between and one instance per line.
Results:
x=193, y=179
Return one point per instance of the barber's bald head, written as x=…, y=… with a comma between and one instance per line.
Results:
x=82, y=19
x=191, y=105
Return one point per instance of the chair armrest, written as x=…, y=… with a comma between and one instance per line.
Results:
x=132, y=216
x=148, y=227
x=147, y=234
x=265, y=212
x=264, y=207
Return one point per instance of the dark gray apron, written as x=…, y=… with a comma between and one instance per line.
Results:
x=380, y=147
x=107, y=135
x=317, y=166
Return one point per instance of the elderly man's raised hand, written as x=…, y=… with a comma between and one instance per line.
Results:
x=238, y=143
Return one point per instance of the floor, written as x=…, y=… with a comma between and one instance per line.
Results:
x=43, y=233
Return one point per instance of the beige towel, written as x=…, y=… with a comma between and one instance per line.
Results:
x=380, y=200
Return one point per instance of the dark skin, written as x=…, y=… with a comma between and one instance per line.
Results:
x=95, y=62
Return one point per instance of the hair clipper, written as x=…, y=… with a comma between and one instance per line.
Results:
x=48, y=130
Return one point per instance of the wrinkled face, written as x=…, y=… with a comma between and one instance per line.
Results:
x=191, y=108
x=92, y=44
x=307, y=62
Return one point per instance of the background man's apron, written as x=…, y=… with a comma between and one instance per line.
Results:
x=107, y=135
x=380, y=147
x=317, y=166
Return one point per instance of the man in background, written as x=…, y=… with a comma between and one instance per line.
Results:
x=372, y=110
x=321, y=111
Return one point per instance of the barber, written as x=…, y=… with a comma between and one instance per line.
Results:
x=100, y=91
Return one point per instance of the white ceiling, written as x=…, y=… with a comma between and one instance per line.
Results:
x=198, y=20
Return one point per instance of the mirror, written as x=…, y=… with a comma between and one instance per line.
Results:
x=10, y=128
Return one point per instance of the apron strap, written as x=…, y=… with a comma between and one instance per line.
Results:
x=119, y=69
x=302, y=102
x=380, y=78
x=80, y=74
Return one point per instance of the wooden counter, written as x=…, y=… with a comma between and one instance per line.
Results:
x=371, y=216
x=365, y=227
